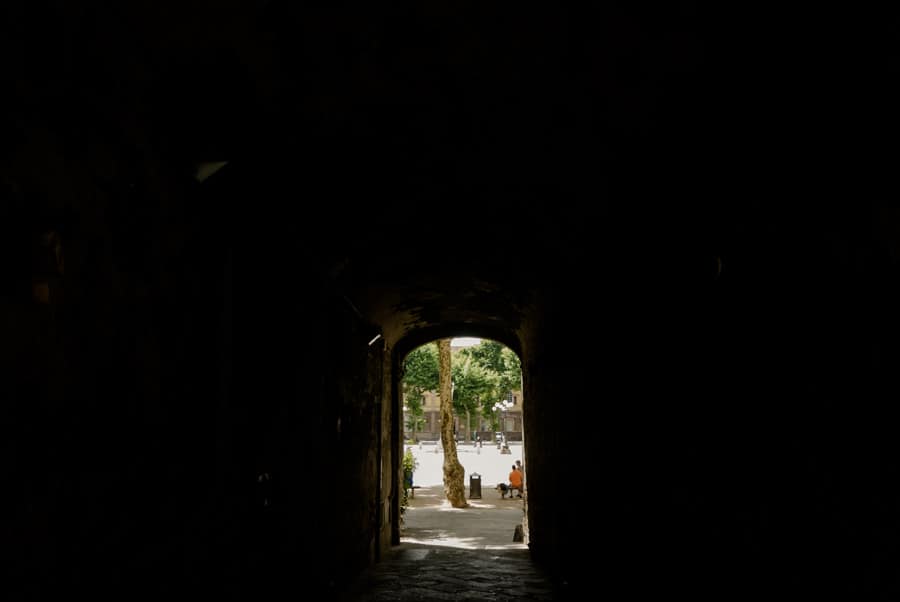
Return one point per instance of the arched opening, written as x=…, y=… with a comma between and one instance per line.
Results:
x=417, y=339
x=488, y=441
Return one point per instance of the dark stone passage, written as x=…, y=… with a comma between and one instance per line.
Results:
x=682, y=219
x=418, y=572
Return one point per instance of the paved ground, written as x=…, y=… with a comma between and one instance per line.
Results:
x=488, y=524
x=435, y=573
x=487, y=461
x=451, y=553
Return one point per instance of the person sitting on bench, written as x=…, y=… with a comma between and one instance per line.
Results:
x=515, y=481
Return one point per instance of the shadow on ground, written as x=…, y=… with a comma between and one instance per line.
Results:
x=488, y=523
x=451, y=553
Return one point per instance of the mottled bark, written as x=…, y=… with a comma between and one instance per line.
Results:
x=454, y=473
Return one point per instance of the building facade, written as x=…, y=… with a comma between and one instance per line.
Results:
x=510, y=421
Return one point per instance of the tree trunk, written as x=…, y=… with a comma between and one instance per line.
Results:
x=454, y=473
x=468, y=428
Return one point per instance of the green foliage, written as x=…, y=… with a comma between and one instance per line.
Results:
x=511, y=373
x=408, y=466
x=420, y=374
x=409, y=463
x=488, y=354
x=482, y=375
x=415, y=421
x=474, y=386
x=504, y=366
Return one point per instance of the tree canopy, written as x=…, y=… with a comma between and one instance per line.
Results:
x=420, y=374
x=420, y=370
x=475, y=387
x=500, y=360
x=482, y=375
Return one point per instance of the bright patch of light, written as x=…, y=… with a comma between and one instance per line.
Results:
x=464, y=342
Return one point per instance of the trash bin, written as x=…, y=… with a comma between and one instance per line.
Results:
x=475, y=486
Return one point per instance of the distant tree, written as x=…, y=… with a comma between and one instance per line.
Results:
x=503, y=363
x=487, y=353
x=511, y=373
x=420, y=374
x=474, y=387
x=415, y=419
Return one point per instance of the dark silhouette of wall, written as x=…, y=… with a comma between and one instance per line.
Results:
x=681, y=209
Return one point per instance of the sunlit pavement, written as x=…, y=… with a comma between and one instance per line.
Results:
x=492, y=466
x=487, y=524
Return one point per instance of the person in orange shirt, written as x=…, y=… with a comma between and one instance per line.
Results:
x=515, y=480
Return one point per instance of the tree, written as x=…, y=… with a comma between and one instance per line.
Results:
x=415, y=418
x=420, y=374
x=504, y=365
x=474, y=386
x=454, y=473
x=511, y=372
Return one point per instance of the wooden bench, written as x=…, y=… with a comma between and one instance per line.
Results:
x=510, y=489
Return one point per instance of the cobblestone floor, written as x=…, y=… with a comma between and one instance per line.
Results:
x=418, y=572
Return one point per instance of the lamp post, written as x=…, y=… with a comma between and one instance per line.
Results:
x=503, y=407
x=405, y=419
